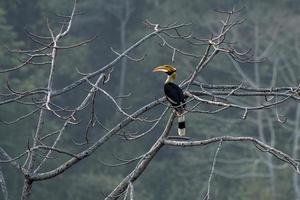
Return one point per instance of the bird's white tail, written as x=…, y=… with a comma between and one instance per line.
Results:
x=181, y=125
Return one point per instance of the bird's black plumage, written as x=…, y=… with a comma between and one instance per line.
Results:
x=174, y=95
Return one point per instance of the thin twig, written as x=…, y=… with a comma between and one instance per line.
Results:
x=207, y=197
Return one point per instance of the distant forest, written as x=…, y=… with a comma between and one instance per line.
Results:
x=83, y=116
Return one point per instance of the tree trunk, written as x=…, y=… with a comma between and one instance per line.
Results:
x=123, y=62
x=26, y=189
x=296, y=185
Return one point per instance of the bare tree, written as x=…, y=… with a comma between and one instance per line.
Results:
x=202, y=98
x=264, y=46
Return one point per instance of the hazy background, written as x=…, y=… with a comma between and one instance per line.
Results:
x=271, y=29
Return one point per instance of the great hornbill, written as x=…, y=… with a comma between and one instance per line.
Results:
x=174, y=95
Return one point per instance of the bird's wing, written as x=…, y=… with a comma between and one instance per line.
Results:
x=174, y=94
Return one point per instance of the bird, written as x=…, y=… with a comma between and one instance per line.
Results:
x=174, y=95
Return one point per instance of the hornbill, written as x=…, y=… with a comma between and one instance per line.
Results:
x=174, y=95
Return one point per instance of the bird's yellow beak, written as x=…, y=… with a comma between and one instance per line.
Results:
x=160, y=69
x=164, y=68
